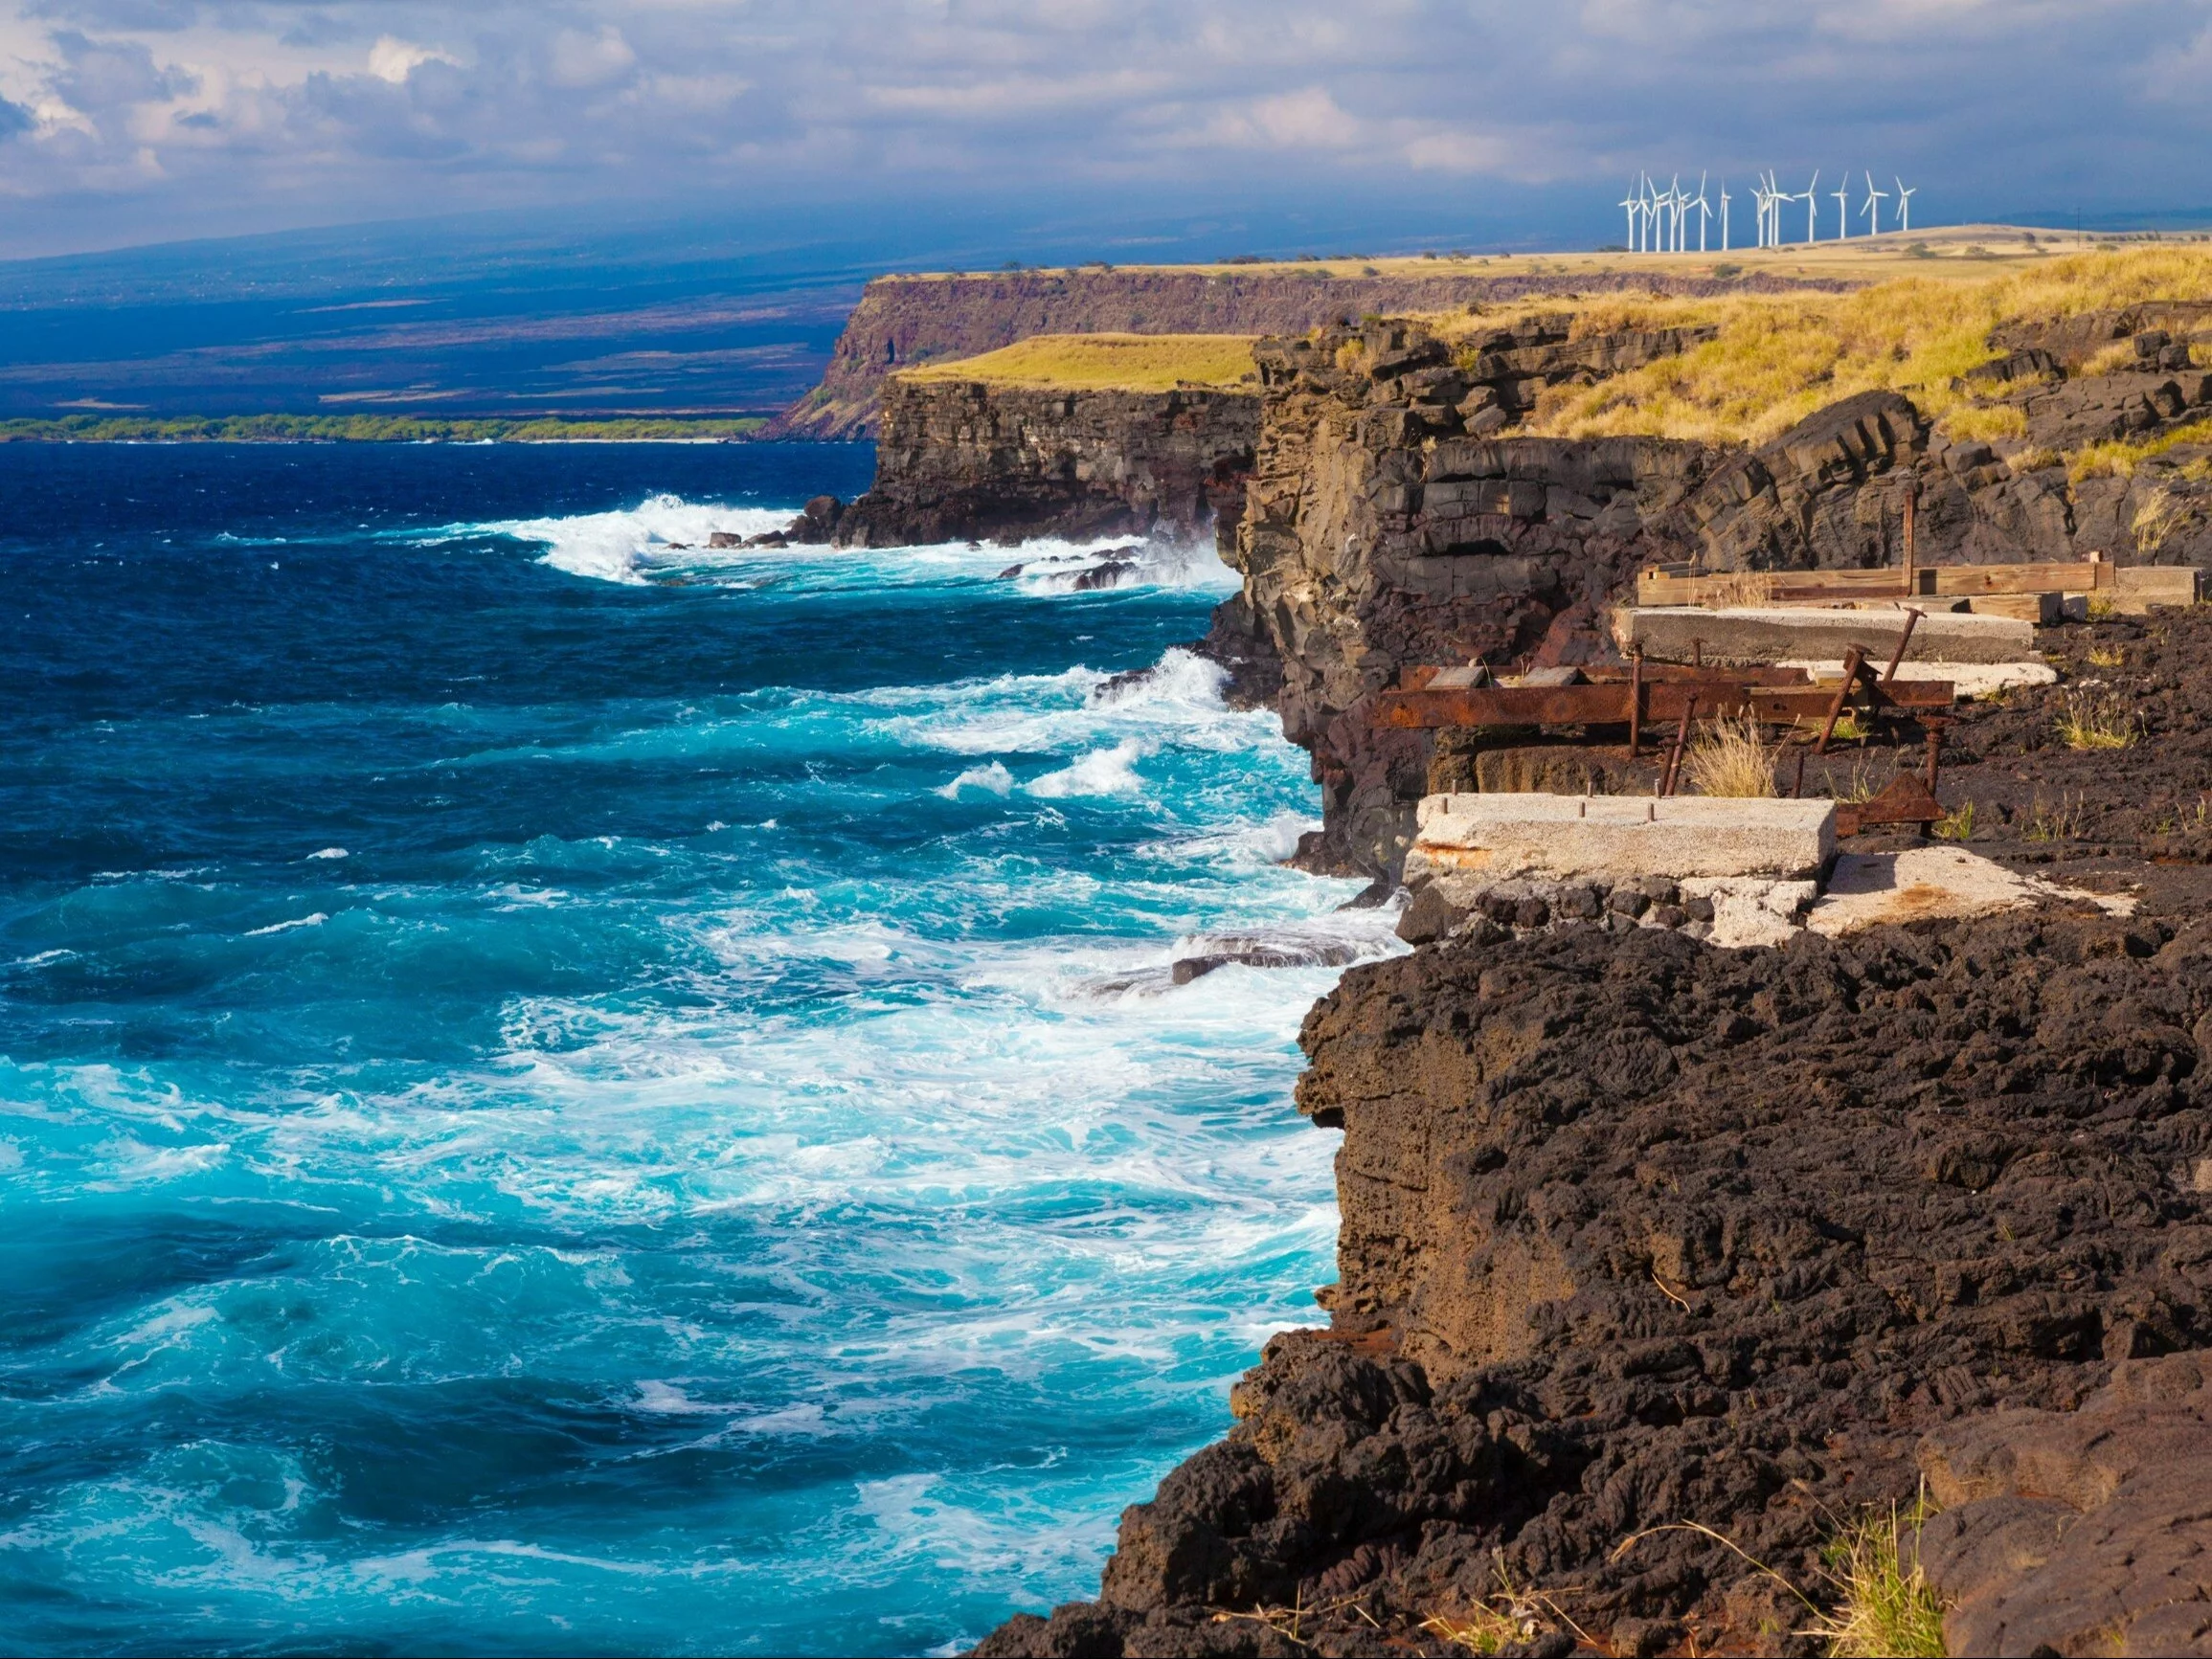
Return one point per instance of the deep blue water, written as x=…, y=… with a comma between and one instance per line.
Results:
x=563, y=1094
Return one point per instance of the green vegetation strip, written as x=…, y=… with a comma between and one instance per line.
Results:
x=366, y=429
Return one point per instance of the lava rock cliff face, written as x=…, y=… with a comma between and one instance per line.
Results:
x=963, y=459
x=1396, y=517
x=1645, y=1243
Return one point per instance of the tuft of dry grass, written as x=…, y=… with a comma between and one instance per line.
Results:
x=2161, y=515
x=1986, y=423
x=1957, y=826
x=2060, y=823
x=1732, y=758
x=2093, y=718
x=1888, y=1609
x=1106, y=362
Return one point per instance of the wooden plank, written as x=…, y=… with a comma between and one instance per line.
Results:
x=1940, y=581
x=2039, y=609
x=2154, y=585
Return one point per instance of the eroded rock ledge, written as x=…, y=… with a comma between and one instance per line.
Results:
x=1642, y=1235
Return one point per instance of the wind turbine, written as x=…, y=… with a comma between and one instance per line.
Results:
x=1904, y=205
x=1675, y=214
x=1813, y=208
x=1843, y=208
x=1873, y=208
x=1705, y=212
x=1723, y=215
x=1627, y=202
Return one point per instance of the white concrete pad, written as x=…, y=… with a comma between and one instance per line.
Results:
x=1969, y=680
x=1782, y=633
x=1867, y=889
x=1566, y=835
x=1748, y=910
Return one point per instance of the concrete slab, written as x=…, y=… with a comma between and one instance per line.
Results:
x=1969, y=680
x=1867, y=889
x=1564, y=835
x=1779, y=634
x=1748, y=910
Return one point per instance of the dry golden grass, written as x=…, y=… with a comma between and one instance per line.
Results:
x=2120, y=460
x=1105, y=362
x=2161, y=515
x=1887, y=1608
x=1778, y=357
x=1732, y=758
x=2093, y=718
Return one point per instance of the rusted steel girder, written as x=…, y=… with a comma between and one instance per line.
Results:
x=1662, y=700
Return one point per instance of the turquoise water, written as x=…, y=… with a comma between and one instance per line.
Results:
x=563, y=1094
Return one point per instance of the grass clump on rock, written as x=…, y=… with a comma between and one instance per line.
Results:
x=2092, y=719
x=1732, y=758
x=1886, y=1608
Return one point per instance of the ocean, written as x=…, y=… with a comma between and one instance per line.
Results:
x=562, y=1091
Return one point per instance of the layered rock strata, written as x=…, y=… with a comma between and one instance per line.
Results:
x=964, y=460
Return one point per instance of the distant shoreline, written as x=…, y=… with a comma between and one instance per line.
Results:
x=375, y=429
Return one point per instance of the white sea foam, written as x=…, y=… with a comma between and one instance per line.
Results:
x=992, y=779
x=1101, y=771
x=314, y=921
x=330, y=853
x=666, y=536
x=615, y=546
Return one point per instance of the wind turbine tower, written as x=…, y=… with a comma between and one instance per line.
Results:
x=1843, y=208
x=1905, y=206
x=1627, y=203
x=1725, y=216
x=1813, y=208
x=1705, y=212
x=1873, y=208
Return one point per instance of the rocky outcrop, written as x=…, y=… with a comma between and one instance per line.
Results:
x=1658, y=1262
x=905, y=322
x=1397, y=517
x=965, y=459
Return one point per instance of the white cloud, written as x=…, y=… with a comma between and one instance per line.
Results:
x=393, y=60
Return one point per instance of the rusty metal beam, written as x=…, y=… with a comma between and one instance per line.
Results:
x=1661, y=701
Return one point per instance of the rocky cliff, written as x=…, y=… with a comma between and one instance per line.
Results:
x=1617, y=1345
x=1397, y=516
x=963, y=459
x=905, y=322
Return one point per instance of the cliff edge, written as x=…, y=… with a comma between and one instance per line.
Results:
x=905, y=322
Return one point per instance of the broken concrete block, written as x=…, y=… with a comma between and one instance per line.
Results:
x=1493, y=837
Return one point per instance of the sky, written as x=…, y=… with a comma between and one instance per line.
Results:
x=133, y=122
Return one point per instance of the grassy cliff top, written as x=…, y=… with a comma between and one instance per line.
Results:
x=1778, y=357
x=1105, y=363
